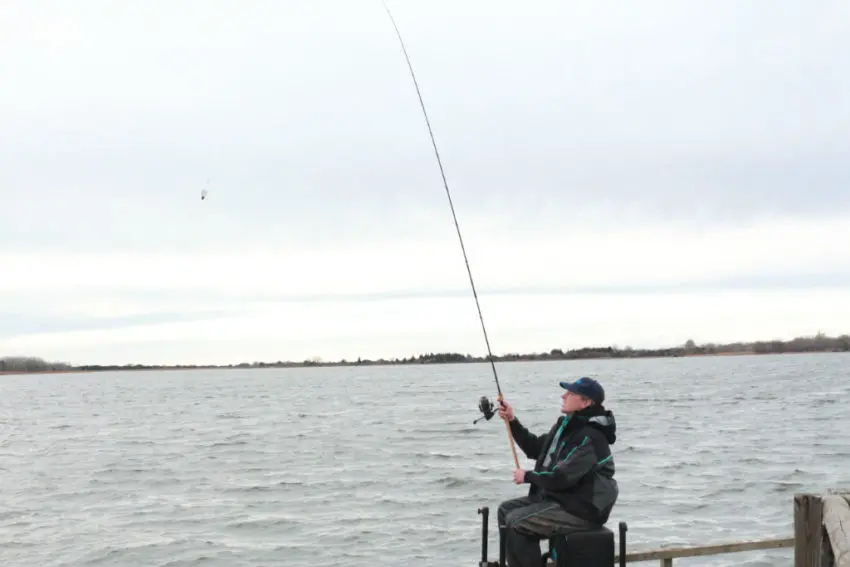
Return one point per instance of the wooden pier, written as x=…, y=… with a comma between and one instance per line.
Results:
x=821, y=536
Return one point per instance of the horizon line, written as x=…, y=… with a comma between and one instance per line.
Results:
x=820, y=342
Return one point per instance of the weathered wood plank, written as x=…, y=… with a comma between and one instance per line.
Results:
x=703, y=550
x=667, y=555
x=836, y=521
x=808, y=530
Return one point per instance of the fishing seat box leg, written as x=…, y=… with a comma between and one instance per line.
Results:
x=593, y=548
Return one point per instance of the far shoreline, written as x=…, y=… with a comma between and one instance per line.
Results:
x=820, y=343
x=269, y=366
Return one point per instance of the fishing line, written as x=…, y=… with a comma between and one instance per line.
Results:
x=484, y=405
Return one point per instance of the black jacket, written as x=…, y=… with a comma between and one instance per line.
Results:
x=580, y=474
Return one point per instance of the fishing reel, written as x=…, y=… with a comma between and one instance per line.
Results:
x=486, y=407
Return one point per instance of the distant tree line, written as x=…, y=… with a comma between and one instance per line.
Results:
x=817, y=343
x=30, y=364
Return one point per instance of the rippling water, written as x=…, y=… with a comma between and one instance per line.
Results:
x=382, y=466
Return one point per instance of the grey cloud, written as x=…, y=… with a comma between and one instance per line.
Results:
x=14, y=324
x=222, y=304
x=307, y=125
x=236, y=301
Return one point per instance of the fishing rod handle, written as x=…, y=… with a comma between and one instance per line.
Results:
x=510, y=435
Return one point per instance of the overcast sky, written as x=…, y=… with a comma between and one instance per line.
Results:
x=631, y=174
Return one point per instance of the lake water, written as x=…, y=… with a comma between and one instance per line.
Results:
x=381, y=466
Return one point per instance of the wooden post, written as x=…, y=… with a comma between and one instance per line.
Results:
x=836, y=522
x=808, y=530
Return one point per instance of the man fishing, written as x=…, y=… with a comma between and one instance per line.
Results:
x=572, y=486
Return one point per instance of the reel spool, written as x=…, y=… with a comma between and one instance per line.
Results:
x=486, y=407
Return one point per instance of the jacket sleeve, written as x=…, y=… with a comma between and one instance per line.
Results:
x=530, y=443
x=569, y=471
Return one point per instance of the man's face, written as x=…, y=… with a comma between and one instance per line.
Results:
x=571, y=402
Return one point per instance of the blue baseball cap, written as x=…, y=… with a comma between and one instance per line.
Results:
x=587, y=387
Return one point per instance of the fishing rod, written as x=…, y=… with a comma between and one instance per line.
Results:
x=484, y=403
